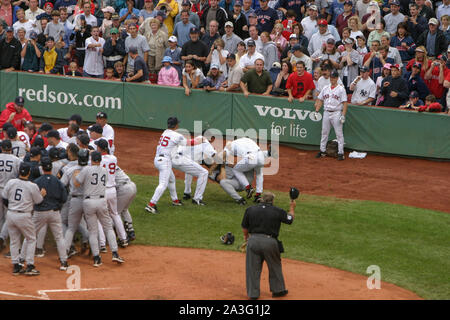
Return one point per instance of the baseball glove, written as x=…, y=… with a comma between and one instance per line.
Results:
x=243, y=247
x=332, y=149
x=293, y=193
x=227, y=238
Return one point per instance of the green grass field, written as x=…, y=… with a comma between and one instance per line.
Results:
x=410, y=245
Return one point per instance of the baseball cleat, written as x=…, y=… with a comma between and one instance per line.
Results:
x=279, y=294
x=22, y=261
x=198, y=202
x=97, y=261
x=257, y=198
x=340, y=157
x=18, y=269
x=2, y=244
x=320, y=155
x=103, y=249
x=123, y=243
x=7, y=255
x=186, y=196
x=151, y=209
x=64, y=265
x=71, y=252
x=241, y=202
x=31, y=271
x=177, y=203
x=117, y=258
x=40, y=253
x=250, y=192
x=131, y=235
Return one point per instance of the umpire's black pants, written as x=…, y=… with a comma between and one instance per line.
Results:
x=262, y=247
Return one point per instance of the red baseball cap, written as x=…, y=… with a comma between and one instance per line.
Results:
x=395, y=66
x=322, y=22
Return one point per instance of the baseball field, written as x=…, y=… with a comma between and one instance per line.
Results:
x=387, y=212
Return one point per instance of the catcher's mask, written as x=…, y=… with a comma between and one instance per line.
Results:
x=227, y=238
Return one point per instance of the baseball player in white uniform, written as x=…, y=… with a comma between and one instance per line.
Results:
x=109, y=162
x=166, y=152
x=126, y=192
x=68, y=134
x=108, y=131
x=199, y=153
x=251, y=158
x=334, y=99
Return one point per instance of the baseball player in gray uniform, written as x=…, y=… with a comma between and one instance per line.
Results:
x=126, y=192
x=47, y=213
x=9, y=169
x=20, y=195
x=75, y=200
x=230, y=184
x=18, y=147
x=334, y=99
x=92, y=179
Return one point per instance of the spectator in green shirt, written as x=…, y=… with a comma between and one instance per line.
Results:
x=256, y=80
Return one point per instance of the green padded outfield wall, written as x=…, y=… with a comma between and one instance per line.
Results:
x=382, y=130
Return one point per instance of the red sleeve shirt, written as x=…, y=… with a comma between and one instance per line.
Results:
x=300, y=84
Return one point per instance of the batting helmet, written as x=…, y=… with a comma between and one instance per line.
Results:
x=83, y=157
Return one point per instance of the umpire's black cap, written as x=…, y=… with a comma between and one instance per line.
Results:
x=11, y=132
x=6, y=145
x=102, y=143
x=46, y=164
x=24, y=169
x=172, y=122
x=96, y=156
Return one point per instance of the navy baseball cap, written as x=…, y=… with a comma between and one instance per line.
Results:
x=231, y=56
x=334, y=74
x=194, y=30
x=77, y=118
x=348, y=2
x=9, y=29
x=84, y=138
x=395, y=3
x=102, y=143
x=364, y=69
x=38, y=142
x=172, y=122
x=251, y=43
x=133, y=50
x=46, y=164
x=11, y=132
x=24, y=169
x=82, y=17
x=161, y=14
x=414, y=94
x=96, y=128
x=45, y=127
x=6, y=145
x=20, y=101
x=96, y=156
x=297, y=47
x=33, y=35
x=53, y=134
x=238, y=3
x=103, y=115
x=53, y=153
x=34, y=151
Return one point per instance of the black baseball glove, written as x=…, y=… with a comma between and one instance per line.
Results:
x=293, y=193
x=227, y=238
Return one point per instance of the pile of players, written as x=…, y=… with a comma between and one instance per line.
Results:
x=68, y=180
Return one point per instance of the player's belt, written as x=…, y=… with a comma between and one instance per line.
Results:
x=94, y=197
x=161, y=155
x=332, y=110
x=18, y=211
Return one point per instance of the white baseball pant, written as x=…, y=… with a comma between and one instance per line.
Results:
x=251, y=161
x=166, y=179
x=332, y=119
x=192, y=168
x=111, y=199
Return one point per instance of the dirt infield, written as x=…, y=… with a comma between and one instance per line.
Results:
x=155, y=272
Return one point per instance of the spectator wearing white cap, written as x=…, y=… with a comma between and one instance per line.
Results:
x=433, y=39
x=174, y=52
x=214, y=79
x=182, y=28
x=310, y=22
x=218, y=56
x=230, y=38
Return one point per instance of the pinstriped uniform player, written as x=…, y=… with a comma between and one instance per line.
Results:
x=126, y=192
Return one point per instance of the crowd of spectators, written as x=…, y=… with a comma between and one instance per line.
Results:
x=389, y=53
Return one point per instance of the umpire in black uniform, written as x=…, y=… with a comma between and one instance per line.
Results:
x=261, y=226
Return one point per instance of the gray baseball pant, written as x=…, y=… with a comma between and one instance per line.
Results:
x=250, y=161
x=95, y=209
x=74, y=218
x=21, y=224
x=51, y=218
x=125, y=196
x=332, y=119
x=262, y=248
x=231, y=186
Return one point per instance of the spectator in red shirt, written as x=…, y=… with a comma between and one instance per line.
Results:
x=431, y=105
x=16, y=114
x=435, y=75
x=300, y=84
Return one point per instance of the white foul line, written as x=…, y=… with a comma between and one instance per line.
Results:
x=43, y=293
x=23, y=295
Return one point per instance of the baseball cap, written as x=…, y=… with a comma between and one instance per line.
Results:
x=76, y=117
x=238, y=3
x=276, y=64
x=48, y=4
x=167, y=59
x=25, y=168
x=38, y=142
x=53, y=153
x=20, y=101
x=251, y=43
x=293, y=36
x=82, y=17
x=102, y=143
x=364, y=69
x=6, y=145
x=34, y=151
x=322, y=22
x=102, y=115
x=96, y=156
x=96, y=128
x=186, y=3
x=9, y=29
x=331, y=41
x=214, y=66
x=361, y=36
x=433, y=21
x=395, y=3
x=50, y=38
x=417, y=65
x=397, y=66
x=229, y=24
x=6, y=126
x=33, y=35
x=419, y=50
x=161, y=14
x=115, y=16
x=53, y=134
x=62, y=153
x=414, y=94
x=114, y=31
x=231, y=56
x=348, y=41
x=133, y=50
x=252, y=15
x=194, y=30
x=109, y=9
x=45, y=127
x=348, y=2
x=84, y=138
x=172, y=121
x=334, y=74
x=46, y=163
x=313, y=7
x=173, y=39
x=134, y=16
x=297, y=47
x=11, y=132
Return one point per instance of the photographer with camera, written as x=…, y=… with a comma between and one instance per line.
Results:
x=435, y=75
x=170, y=9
